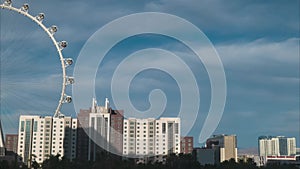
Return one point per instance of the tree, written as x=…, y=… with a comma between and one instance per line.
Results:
x=53, y=162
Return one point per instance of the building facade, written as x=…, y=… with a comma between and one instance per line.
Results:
x=116, y=133
x=276, y=146
x=105, y=130
x=64, y=137
x=82, y=134
x=40, y=137
x=147, y=137
x=225, y=146
x=205, y=156
x=218, y=149
x=187, y=144
x=11, y=143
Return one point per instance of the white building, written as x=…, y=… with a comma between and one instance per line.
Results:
x=268, y=146
x=40, y=137
x=147, y=137
x=277, y=146
x=64, y=137
x=287, y=146
x=99, y=128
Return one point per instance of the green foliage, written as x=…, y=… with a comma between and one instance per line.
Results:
x=109, y=161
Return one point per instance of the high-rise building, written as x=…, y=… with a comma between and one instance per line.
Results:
x=64, y=135
x=2, y=146
x=40, y=137
x=147, y=137
x=287, y=146
x=11, y=143
x=99, y=129
x=82, y=134
x=187, y=144
x=116, y=134
x=276, y=146
x=105, y=130
x=226, y=146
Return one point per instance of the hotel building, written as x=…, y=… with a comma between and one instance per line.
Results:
x=40, y=137
x=148, y=137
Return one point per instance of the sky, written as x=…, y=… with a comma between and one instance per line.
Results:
x=256, y=41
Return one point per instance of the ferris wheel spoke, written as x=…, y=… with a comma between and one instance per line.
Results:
x=59, y=45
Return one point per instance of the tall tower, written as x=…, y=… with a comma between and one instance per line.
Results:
x=2, y=147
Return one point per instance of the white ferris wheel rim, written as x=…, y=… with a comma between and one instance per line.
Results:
x=63, y=97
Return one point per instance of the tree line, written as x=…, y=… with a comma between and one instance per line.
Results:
x=109, y=161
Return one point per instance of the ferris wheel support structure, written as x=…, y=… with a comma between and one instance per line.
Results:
x=65, y=62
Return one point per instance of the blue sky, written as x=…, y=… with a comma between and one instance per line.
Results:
x=257, y=42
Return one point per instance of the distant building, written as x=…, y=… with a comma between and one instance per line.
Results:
x=283, y=160
x=187, y=144
x=218, y=149
x=11, y=143
x=147, y=137
x=40, y=137
x=298, y=151
x=226, y=144
x=206, y=156
x=276, y=146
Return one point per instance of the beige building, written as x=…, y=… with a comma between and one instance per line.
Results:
x=225, y=146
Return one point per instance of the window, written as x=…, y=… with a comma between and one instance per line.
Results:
x=35, y=126
x=163, y=128
x=22, y=126
x=176, y=128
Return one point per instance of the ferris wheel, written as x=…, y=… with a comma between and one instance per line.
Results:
x=59, y=45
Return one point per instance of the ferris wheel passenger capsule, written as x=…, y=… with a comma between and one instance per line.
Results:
x=68, y=61
x=70, y=80
x=40, y=17
x=25, y=8
x=52, y=29
x=62, y=44
x=68, y=99
x=7, y=2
